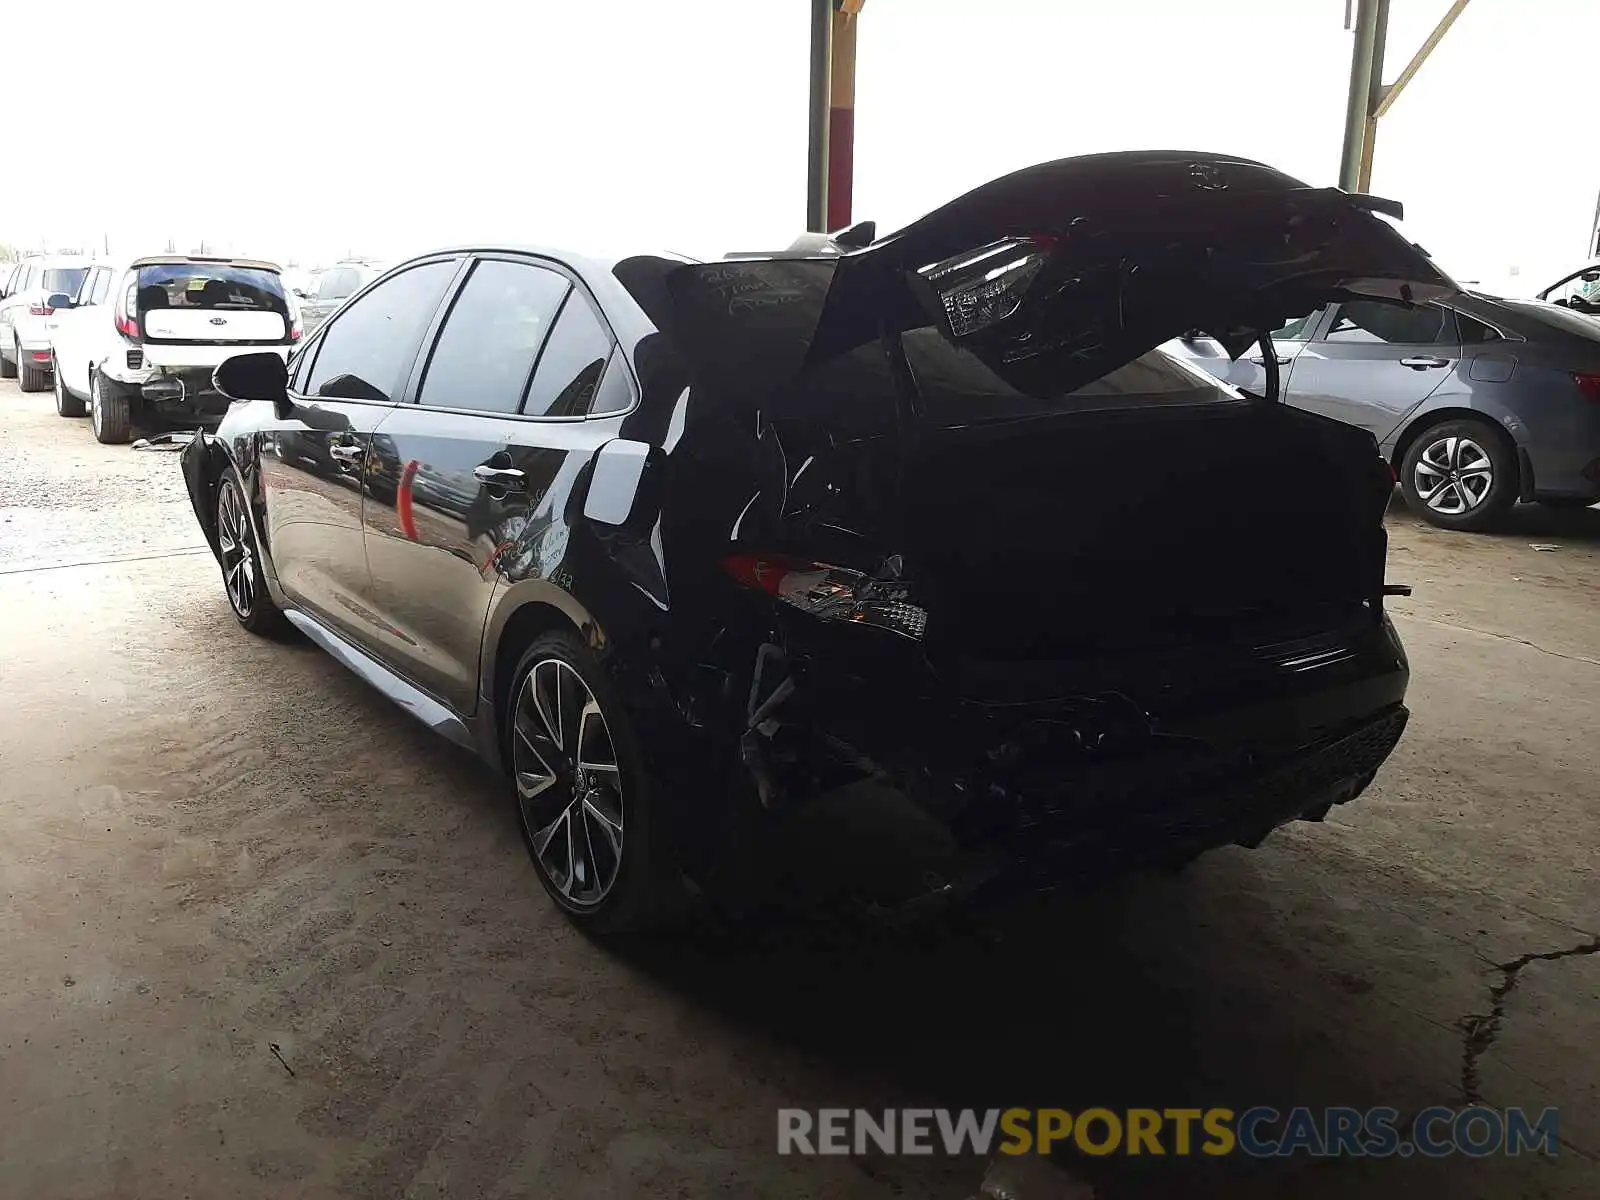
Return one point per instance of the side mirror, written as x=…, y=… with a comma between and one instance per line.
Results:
x=59, y=300
x=260, y=376
x=1590, y=276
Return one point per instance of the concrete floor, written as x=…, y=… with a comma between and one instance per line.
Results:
x=263, y=936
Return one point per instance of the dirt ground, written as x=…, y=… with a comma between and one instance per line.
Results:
x=264, y=936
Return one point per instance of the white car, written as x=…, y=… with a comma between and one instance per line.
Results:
x=139, y=342
x=25, y=291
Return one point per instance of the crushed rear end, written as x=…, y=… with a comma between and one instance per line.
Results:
x=963, y=527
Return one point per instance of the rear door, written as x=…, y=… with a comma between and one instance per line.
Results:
x=71, y=328
x=1374, y=362
x=1248, y=371
x=313, y=462
x=496, y=420
x=16, y=293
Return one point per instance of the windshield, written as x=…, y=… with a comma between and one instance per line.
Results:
x=63, y=279
x=211, y=286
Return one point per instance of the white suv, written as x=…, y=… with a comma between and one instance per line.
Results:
x=25, y=292
x=140, y=342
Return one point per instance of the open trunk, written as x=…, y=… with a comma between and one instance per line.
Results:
x=1101, y=532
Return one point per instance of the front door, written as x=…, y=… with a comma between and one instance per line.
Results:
x=314, y=460
x=493, y=439
x=1374, y=363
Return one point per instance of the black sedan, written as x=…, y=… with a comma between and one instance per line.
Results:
x=683, y=546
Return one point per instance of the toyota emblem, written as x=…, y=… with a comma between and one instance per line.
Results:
x=219, y=320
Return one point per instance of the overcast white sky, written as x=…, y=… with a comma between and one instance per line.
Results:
x=305, y=129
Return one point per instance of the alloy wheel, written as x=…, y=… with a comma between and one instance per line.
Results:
x=1453, y=475
x=569, y=786
x=95, y=417
x=238, y=560
x=55, y=375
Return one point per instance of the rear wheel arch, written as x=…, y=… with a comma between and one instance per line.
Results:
x=1423, y=422
x=526, y=622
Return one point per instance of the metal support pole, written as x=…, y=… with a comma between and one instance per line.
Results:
x=1369, y=132
x=1357, y=108
x=817, y=159
x=842, y=116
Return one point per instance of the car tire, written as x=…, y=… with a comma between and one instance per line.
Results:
x=67, y=405
x=577, y=784
x=110, y=410
x=29, y=377
x=8, y=369
x=242, y=579
x=1460, y=474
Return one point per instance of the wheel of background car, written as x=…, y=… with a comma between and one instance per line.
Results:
x=1460, y=474
x=30, y=376
x=242, y=580
x=579, y=788
x=110, y=411
x=67, y=405
x=8, y=369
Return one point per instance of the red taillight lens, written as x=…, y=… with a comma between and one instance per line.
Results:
x=985, y=285
x=127, y=325
x=1588, y=383
x=40, y=310
x=831, y=593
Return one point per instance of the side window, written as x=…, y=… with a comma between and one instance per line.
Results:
x=370, y=345
x=570, y=367
x=1373, y=322
x=615, y=394
x=492, y=336
x=102, y=286
x=1298, y=329
x=1474, y=332
x=334, y=284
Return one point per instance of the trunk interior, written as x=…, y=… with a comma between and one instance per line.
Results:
x=1092, y=532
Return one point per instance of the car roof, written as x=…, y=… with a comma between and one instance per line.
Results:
x=52, y=262
x=155, y=260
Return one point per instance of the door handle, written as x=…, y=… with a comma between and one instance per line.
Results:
x=1423, y=362
x=347, y=452
x=508, y=478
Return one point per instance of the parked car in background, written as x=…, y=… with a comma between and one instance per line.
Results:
x=685, y=546
x=25, y=309
x=1477, y=401
x=1579, y=291
x=333, y=286
x=139, y=342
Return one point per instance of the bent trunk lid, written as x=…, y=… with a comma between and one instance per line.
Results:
x=1135, y=249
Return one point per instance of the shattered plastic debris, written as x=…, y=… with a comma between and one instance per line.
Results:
x=1543, y=546
x=1031, y=1178
x=165, y=441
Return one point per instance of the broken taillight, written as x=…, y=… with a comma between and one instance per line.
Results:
x=1588, y=383
x=832, y=593
x=984, y=286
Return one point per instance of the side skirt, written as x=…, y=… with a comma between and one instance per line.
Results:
x=415, y=701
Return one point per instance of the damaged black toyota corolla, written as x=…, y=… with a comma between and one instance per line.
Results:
x=683, y=546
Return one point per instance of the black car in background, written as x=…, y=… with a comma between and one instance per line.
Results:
x=682, y=546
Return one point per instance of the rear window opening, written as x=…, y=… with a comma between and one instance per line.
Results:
x=211, y=286
x=66, y=280
x=212, y=303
